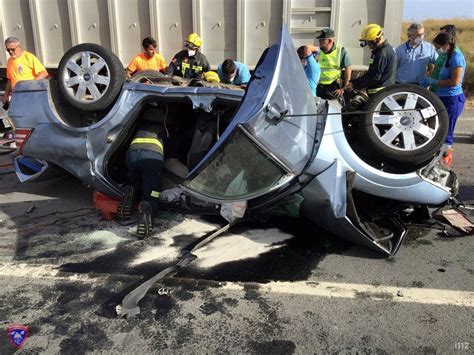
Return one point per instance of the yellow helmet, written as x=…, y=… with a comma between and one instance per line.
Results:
x=212, y=77
x=194, y=39
x=371, y=33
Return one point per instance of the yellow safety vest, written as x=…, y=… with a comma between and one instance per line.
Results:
x=330, y=66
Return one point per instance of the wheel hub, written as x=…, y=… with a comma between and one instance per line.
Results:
x=407, y=121
x=87, y=76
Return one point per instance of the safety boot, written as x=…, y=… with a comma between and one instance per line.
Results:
x=124, y=209
x=448, y=157
x=145, y=220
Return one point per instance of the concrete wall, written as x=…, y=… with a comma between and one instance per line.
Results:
x=238, y=29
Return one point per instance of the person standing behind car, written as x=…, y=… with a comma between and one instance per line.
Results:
x=22, y=65
x=231, y=72
x=332, y=59
x=382, y=64
x=451, y=30
x=449, y=86
x=148, y=59
x=307, y=55
x=415, y=57
x=144, y=161
x=189, y=63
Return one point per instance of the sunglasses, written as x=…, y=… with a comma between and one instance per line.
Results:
x=11, y=50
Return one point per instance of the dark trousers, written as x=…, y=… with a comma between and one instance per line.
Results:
x=327, y=91
x=144, y=167
x=454, y=105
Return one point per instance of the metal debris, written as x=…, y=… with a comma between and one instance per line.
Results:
x=129, y=306
x=458, y=220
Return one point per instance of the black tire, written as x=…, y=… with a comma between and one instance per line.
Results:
x=90, y=77
x=145, y=76
x=416, y=114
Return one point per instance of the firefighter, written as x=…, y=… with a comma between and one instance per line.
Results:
x=212, y=77
x=382, y=64
x=144, y=162
x=189, y=63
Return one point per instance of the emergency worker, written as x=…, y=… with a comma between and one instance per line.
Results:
x=232, y=72
x=212, y=77
x=148, y=59
x=449, y=86
x=144, y=161
x=415, y=57
x=382, y=64
x=189, y=63
x=22, y=65
x=451, y=30
x=308, y=55
x=332, y=60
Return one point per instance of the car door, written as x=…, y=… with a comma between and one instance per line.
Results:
x=272, y=136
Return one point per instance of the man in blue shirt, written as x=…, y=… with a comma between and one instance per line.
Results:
x=307, y=55
x=231, y=72
x=415, y=57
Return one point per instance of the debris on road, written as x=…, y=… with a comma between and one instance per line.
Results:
x=458, y=220
x=130, y=307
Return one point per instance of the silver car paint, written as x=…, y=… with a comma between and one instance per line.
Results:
x=409, y=187
x=84, y=151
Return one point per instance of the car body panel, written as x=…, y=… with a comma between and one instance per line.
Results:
x=409, y=187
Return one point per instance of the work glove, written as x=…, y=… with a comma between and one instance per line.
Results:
x=428, y=81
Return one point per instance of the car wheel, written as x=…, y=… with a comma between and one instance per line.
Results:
x=404, y=126
x=90, y=76
x=147, y=76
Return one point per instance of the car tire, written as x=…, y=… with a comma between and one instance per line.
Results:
x=90, y=77
x=403, y=126
x=145, y=76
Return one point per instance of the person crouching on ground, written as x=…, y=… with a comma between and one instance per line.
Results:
x=144, y=163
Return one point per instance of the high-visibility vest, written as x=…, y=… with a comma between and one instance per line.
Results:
x=330, y=66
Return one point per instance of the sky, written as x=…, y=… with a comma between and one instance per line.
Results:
x=437, y=9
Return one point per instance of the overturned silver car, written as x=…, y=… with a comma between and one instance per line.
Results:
x=268, y=146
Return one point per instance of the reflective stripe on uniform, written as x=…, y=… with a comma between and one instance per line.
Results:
x=148, y=141
x=195, y=68
x=373, y=91
x=155, y=194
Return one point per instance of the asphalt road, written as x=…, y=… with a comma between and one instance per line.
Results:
x=282, y=286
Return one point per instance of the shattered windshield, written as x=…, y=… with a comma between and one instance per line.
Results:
x=238, y=172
